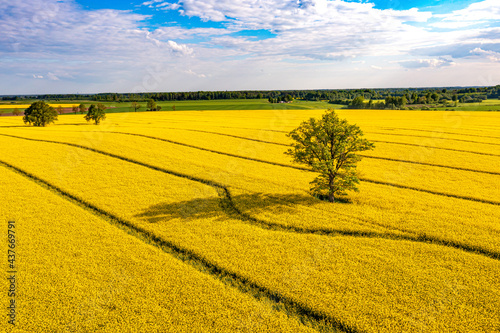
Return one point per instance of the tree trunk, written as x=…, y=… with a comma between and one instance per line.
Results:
x=331, y=198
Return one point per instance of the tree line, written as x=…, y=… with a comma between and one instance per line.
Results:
x=340, y=96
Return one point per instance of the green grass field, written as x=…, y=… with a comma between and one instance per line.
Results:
x=247, y=104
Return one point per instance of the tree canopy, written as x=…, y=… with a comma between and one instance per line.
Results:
x=152, y=106
x=39, y=114
x=329, y=146
x=82, y=108
x=96, y=113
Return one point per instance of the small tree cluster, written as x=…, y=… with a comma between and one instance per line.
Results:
x=284, y=99
x=152, y=106
x=395, y=102
x=359, y=103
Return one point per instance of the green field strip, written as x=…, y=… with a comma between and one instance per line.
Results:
x=227, y=203
x=303, y=313
x=442, y=132
x=208, y=182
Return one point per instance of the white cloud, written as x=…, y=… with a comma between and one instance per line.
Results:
x=475, y=13
x=81, y=50
x=37, y=76
x=308, y=29
x=151, y=3
x=182, y=49
x=491, y=55
x=426, y=63
x=52, y=76
x=455, y=24
x=292, y=14
x=190, y=72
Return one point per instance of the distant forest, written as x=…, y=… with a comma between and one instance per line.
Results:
x=355, y=98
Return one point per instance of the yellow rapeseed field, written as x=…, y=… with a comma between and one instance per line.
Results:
x=79, y=273
x=417, y=249
x=25, y=106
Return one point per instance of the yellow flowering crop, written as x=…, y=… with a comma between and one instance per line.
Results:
x=414, y=250
x=78, y=273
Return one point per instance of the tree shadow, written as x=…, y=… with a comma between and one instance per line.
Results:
x=186, y=210
x=75, y=124
x=237, y=206
x=338, y=199
x=246, y=206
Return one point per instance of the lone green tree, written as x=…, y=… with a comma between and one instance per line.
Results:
x=329, y=146
x=96, y=113
x=39, y=114
x=82, y=108
x=151, y=105
x=136, y=106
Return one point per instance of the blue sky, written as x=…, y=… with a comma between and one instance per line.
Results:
x=87, y=46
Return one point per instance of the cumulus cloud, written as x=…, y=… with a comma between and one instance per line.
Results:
x=291, y=14
x=426, y=63
x=491, y=55
x=182, y=49
x=307, y=29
